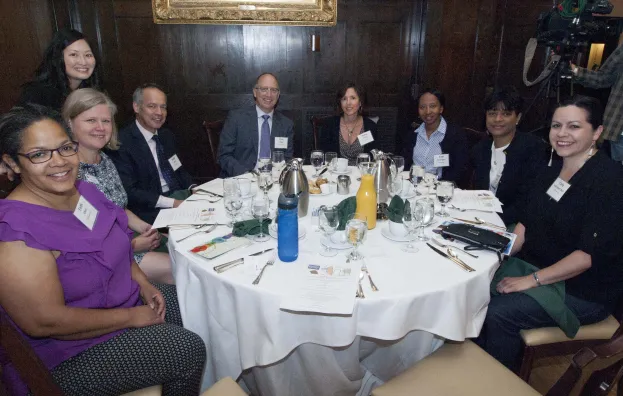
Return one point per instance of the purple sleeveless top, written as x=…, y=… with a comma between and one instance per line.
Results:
x=94, y=267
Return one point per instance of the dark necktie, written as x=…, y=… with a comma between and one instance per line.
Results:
x=265, y=138
x=165, y=167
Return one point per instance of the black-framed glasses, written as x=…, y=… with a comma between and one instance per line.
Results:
x=267, y=89
x=41, y=156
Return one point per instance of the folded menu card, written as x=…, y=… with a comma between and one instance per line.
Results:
x=182, y=216
x=219, y=246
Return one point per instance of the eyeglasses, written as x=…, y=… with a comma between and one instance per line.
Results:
x=267, y=89
x=41, y=156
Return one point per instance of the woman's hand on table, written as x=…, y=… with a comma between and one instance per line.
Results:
x=515, y=284
x=153, y=299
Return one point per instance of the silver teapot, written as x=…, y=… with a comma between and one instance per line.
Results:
x=294, y=181
x=384, y=168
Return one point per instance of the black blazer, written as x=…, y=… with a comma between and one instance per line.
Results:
x=42, y=94
x=138, y=172
x=329, y=135
x=454, y=144
x=526, y=157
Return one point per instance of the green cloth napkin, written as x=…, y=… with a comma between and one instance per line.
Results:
x=179, y=194
x=396, y=209
x=550, y=297
x=250, y=227
x=344, y=209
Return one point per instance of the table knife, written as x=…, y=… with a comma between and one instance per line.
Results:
x=262, y=252
x=228, y=265
x=209, y=192
x=462, y=265
x=323, y=171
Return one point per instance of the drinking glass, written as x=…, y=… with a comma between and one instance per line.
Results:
x=265, y=181
x=445, y=191
x=356, y=229
x=361, y=158
x=425, y=210
x=232, y=198
x=416, y=175
x=279, y=162
x=399, y=161
x=260, y=208
x=394, y=184
x=264, y=163
x=328, y=220
x=317, y=158
x=328, y=157
x=411, y=219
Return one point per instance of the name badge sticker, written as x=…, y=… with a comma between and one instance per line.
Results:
x=441, y=160
x=365, y=138
x=86, y=213
x=558, y=189
x=281, y=143
x=91, y=179
x=175, y=162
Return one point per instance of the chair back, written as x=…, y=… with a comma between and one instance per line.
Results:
x=30, y=368
x=473, y=138
x=213, y=130
x=317, y=124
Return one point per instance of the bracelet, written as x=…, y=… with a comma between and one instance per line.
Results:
x=536, y=278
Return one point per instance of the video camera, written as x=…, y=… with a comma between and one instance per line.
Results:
x=572, y=25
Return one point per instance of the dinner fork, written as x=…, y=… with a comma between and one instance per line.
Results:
x=212, y=227
x=468, y=210
x=269, y=262
x=447, y=245
x=364, y=268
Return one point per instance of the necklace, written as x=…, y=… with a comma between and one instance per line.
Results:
x=350, y=132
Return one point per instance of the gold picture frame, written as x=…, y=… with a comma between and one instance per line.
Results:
x=240, y=12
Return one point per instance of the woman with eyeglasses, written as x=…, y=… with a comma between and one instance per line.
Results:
x=350, y=133
x=508, y=161
x=69, y=283
x=90, y=115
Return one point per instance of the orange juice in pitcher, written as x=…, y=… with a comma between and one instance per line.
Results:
x=366, y=195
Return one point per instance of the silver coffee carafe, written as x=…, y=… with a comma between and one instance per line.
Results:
x=384, y=164
x=294, y=181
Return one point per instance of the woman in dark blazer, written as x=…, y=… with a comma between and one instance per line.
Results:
x=347, y=134
x=437, y=140
x=508, y=161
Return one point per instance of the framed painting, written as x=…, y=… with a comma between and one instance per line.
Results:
x=239, y=12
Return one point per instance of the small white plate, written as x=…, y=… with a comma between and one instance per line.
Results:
x=334, y=242
x=385, y=232
x=272, y=231
x=346, y=172
x=408, y=196
x=321, y=194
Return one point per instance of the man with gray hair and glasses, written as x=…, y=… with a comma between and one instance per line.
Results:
x=254, y=132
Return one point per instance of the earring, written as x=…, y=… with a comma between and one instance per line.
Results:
x=590, y=152
x=550, y=158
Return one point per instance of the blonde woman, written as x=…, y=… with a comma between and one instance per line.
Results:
x=90, y=115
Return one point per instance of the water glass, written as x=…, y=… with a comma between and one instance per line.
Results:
x=399, y=161
x=260, y=209
x=394, y=184
x=356, y=230
x=328, y=221
x=317, y=159
x=425, y=211
x=411, y=219
x=279, y=161
x=264, y=163
x=265, y=181
x=328, y=158
x=232, y=198
x=445, y=191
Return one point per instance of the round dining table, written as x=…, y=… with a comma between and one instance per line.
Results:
x=422, y=300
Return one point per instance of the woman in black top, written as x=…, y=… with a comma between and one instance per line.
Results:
x=571, y=233
x=68, y=64
x=508, y=161
x=344, y=134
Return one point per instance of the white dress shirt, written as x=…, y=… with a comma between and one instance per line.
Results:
x=260, y=121
x=163, y=202
x=498, y=160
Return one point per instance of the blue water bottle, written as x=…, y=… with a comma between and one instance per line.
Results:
x=288, y=228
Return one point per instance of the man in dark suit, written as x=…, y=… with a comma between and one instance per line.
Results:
x=151, y=172
x=254, y=132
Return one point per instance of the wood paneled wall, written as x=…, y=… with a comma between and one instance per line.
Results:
x=393, y=47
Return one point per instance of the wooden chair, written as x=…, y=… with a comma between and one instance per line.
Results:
x=213, y=130
x=473, y=138
x=40, y=382
x=317, y=124
x=463, y=369
x=551, y=341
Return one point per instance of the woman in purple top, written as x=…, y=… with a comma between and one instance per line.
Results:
x=68, y=280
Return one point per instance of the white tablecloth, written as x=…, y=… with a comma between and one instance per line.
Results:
x=422, y=299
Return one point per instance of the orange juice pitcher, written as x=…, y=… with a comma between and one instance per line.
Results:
x=366, y=195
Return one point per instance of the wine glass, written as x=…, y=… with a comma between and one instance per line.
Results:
x=328, y=220
x=445, y=191
x=394, y=184
x=328, y=158
x=265, y=181
x=361, y=158
x=356, y=229
x=279, y=161
x=416, y=175
x=424, y=216
x=317, y=158
x=410, y=218
x=260, y=208
x=264, y=163
x=232, y=198
x=399, y=161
